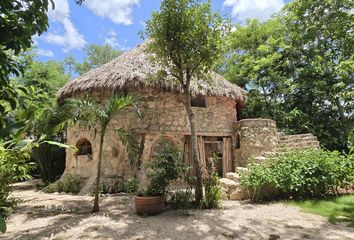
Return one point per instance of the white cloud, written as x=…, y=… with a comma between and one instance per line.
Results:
x=45, y=53
x=260, y=9
x=110, y=38
x=70, y=38
x=118, y=11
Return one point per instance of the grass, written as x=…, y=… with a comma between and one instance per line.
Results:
x=334, y=208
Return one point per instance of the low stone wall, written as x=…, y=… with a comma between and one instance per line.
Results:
x=256, y=136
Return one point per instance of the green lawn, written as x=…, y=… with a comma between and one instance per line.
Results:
x=332, y=208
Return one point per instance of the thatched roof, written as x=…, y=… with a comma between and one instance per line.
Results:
x=134, y=69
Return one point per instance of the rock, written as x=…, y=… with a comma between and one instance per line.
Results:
x=241, y=169
x=342, y=219
x=274, y=237
x=228, y=184
x=224, y=195
x=229, y=234
x=260, y=158
x=238, y=194
x=233, y=176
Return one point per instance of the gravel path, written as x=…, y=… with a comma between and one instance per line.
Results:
x=62, y=216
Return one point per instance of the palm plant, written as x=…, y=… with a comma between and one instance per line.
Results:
x=93, y=115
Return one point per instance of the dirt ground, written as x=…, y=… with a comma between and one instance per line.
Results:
x=63, y=216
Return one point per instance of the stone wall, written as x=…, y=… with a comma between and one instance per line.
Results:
x=256, y=136
x=163, y=115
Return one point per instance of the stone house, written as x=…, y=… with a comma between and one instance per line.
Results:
x=216, y=103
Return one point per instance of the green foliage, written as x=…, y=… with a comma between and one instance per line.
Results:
x=334, y=208
x=68, y=184
x=181, y=199
x=185, y=38
x=111, y=186
x=50, y=161
x=49, y=76
x=213, y=193
x=300, y=174
x=297, y=68
x=13, y=167
x=20, y=20
x=132, y=185
x=96, y=55
x=2, y=224
x=165, y=168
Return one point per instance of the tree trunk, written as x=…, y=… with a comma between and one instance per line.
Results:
x=195, y=151
x=96, y=207
x=342, y=117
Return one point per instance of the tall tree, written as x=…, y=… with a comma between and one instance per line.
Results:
x=96, y=55
x=322, y=40
x=298, y=68
x=186, y=38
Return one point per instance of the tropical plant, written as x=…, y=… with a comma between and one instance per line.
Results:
x=20, y=20
x=213, y=193
x=164, y=169
x=90, y=113
x=300, y=174
x=132, y=185
x=68, y=184
x=185, y=38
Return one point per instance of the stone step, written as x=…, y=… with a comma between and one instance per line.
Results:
x=297, y=144
x=305, y=139
x=286, y=137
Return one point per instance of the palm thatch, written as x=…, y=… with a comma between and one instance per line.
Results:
x=134, y=69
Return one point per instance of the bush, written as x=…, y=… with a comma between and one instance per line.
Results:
x=132, y=185
x=68, y=184
x=50, y=161
x=165, y=168
x=181, y=199
x=300, y=174
x=13, y=168
x=213, y=193
x=112, y=185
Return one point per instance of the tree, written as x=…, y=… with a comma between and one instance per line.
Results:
x=185, y=38
x=297, y=68
x=96, y=55
x=322, y=40
x=45, y=75
x=93, y=115
x=19, y=21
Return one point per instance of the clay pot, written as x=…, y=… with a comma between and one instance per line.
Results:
x=149, y=205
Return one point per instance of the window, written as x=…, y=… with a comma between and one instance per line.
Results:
x=84, y=147
x=199, y=101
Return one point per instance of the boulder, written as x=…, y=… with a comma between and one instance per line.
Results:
x=238, y=194
x=241, y=169
x=233, y=176
x=228, y=184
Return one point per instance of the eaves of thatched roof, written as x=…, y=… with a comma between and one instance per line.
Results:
x=135, y=69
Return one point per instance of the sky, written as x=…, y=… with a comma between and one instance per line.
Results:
x=118, y=22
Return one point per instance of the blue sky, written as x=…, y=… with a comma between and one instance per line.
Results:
x=117, y=23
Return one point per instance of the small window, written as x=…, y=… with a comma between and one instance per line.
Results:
x=84, y=147
x=199, y=101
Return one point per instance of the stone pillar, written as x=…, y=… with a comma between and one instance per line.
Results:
x=256, y=136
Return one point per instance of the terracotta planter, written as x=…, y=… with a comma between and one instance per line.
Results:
x=149, y=205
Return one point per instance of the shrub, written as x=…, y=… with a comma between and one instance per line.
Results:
x=165, y=168
x=213, y=193
x=300, y=174
x=181, y=199
x=132, y=185
x=50, y=161
x=68, y=184
x=14, y=167
x=112, y=185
